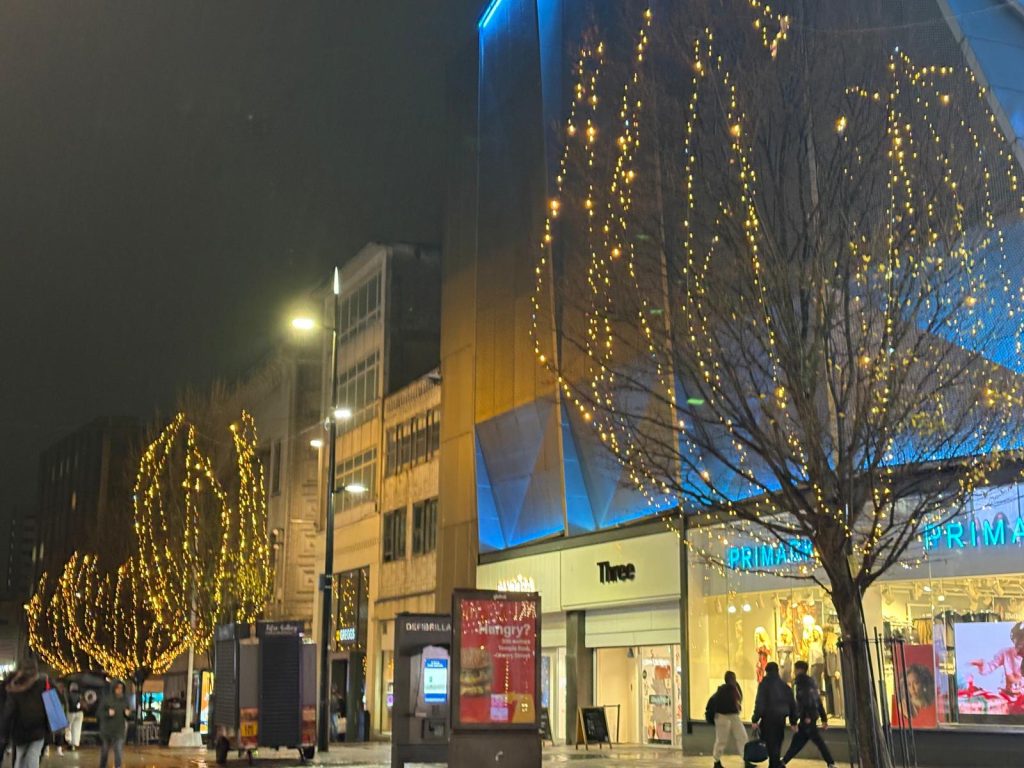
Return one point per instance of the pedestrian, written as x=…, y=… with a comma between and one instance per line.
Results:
x=113, y=712
x=772, y=707
x=809, y=710
x=725, y=707
x=75, y=717
x=26, y=716
x=4, y=725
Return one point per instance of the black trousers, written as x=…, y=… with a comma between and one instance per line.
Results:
x=773, y=731
x=808, y=732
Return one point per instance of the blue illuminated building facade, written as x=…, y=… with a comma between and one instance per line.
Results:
x=529, y=496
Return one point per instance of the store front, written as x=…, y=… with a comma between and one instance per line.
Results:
x=624, y=596
x=954, y=611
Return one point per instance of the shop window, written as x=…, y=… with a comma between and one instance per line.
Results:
x=424, y=526
x=351, y=609
x=393, y=537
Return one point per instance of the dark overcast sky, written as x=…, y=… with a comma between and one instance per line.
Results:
x=173, y=172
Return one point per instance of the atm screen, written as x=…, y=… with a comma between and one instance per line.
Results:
x=435, y=680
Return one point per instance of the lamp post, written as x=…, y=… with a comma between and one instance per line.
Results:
x=327, y=578
x=327, y=585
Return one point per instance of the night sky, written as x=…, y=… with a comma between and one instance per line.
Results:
x=174, y=173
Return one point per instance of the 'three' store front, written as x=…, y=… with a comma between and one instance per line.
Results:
x=610, y=628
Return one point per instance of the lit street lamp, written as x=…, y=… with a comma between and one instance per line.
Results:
x=337, y=413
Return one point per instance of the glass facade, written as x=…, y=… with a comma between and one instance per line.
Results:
x=640, y=686
x=951, y=637
x=351, y=590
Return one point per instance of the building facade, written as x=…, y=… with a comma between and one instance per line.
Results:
x=388, y=340
x=283, y=395
x=85, y=490
x=529, y=498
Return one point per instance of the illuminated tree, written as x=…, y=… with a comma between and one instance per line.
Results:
x=46, y=631
x=775, y=281
x=110, y=615
x=201, y=557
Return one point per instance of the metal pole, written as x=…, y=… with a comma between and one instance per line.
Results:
x=327, y=584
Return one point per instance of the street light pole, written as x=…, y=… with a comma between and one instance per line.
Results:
x=327, y=583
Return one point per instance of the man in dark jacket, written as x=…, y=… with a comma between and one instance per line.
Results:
x=26, y=716
x=725, y=708
x=809, y=709
x=773, y=705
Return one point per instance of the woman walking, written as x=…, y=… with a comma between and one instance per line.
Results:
x=113, y=713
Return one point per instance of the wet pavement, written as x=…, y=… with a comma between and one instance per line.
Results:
x=378, y=755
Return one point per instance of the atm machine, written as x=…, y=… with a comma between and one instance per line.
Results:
x=421, y=715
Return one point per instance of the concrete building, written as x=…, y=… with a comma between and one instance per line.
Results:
x=85, y=491
x=283, y=396
x=408, y=537
x=388, y=339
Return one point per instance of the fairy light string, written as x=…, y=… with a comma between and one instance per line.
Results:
x=202, y=556
x=936, y=250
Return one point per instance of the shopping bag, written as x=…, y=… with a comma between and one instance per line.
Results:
x=755, y=751
x=55, y=714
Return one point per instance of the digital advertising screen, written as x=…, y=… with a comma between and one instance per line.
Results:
x=498, y=660
x=990, y=683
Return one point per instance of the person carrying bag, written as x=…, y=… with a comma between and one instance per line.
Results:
x=25, y=713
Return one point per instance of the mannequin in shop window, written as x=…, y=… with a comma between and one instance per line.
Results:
x=815, y=638
x=833, y=674
x=764, y=651
x=785, y=653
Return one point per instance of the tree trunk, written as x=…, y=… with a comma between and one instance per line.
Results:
x=862, y=711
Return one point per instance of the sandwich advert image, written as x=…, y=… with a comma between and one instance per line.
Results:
x=498, y=662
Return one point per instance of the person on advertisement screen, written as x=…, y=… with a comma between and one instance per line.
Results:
x=1010, y=660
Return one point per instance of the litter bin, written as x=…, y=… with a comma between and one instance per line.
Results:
x=171, y=721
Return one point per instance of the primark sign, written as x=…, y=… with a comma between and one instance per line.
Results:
x=974, y=534
x=760, y=557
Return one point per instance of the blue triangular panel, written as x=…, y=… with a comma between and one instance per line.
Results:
x=578, y=511
x=488, y=523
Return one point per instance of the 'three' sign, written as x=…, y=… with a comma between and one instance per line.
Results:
x=612, y=573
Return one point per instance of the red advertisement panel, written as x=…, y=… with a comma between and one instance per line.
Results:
x=498, y=661
x=914, y=701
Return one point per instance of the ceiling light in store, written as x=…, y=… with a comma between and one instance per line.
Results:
x=732, y=609
x=927, y=588
x=942, y=598
x=746, y=607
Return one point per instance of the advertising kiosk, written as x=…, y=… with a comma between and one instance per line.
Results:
x=496, y=714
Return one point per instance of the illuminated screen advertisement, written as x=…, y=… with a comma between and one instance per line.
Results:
x=435, y=681
x=990, y=684
x=497, y=636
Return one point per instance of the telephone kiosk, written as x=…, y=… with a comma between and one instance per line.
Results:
x=421, y=713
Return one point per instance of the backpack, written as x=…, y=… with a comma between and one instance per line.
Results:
x=709, y=710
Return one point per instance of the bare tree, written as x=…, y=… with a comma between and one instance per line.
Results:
x=775, y=281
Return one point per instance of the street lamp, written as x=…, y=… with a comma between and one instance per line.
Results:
x=336, y=413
